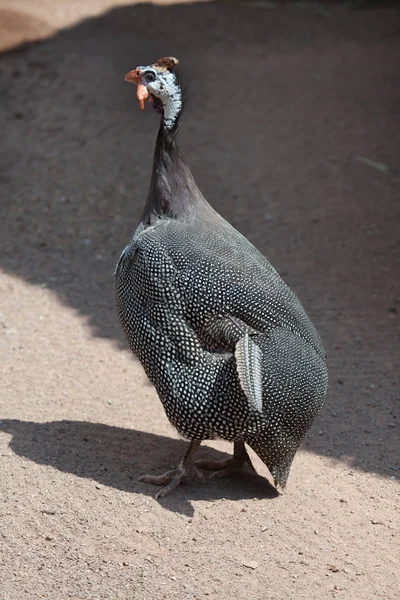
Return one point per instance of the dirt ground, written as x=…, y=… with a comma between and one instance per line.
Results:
x=292, y=134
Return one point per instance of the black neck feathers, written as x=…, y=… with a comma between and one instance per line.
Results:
x=173, y=191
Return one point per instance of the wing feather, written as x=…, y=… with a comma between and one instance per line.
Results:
x=249, y=367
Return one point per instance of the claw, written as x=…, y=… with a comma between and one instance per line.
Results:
x=174, y=477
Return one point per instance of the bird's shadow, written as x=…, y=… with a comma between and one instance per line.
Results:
x=116, y=457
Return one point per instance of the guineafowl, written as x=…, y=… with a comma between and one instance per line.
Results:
x=226, y=343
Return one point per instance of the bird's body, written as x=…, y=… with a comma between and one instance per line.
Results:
x=226, y=343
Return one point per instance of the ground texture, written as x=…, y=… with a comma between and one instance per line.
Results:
x=292, y=134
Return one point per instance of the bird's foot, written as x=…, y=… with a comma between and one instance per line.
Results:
x=174, y=477
x=240, y=462
x=224, y=468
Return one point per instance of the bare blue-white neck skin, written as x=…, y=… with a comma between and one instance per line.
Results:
x=162, y=84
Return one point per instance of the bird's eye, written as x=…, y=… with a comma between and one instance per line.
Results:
x=149, y=76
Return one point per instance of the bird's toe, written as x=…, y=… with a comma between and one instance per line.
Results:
x=159, y=479
x=227, y=467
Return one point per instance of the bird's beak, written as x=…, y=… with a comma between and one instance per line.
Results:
x=133, y=76
x=141, y=92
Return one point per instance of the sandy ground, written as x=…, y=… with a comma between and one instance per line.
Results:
x=30, y=20
x=287, y=107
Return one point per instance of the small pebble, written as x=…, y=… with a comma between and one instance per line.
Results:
x=251, y=564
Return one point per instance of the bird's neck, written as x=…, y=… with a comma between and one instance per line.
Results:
x=173, y=191
x=172, y=107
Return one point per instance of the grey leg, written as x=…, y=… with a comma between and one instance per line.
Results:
x=239, y=462
x=173, y=478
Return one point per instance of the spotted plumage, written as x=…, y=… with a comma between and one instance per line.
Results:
x=226, y=343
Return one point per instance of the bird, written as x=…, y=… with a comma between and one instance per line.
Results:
x=226, y=343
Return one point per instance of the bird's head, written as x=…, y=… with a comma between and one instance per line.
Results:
x=158, y=83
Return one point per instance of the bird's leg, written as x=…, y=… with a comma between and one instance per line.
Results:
x=173, y=478
x=239, y=461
